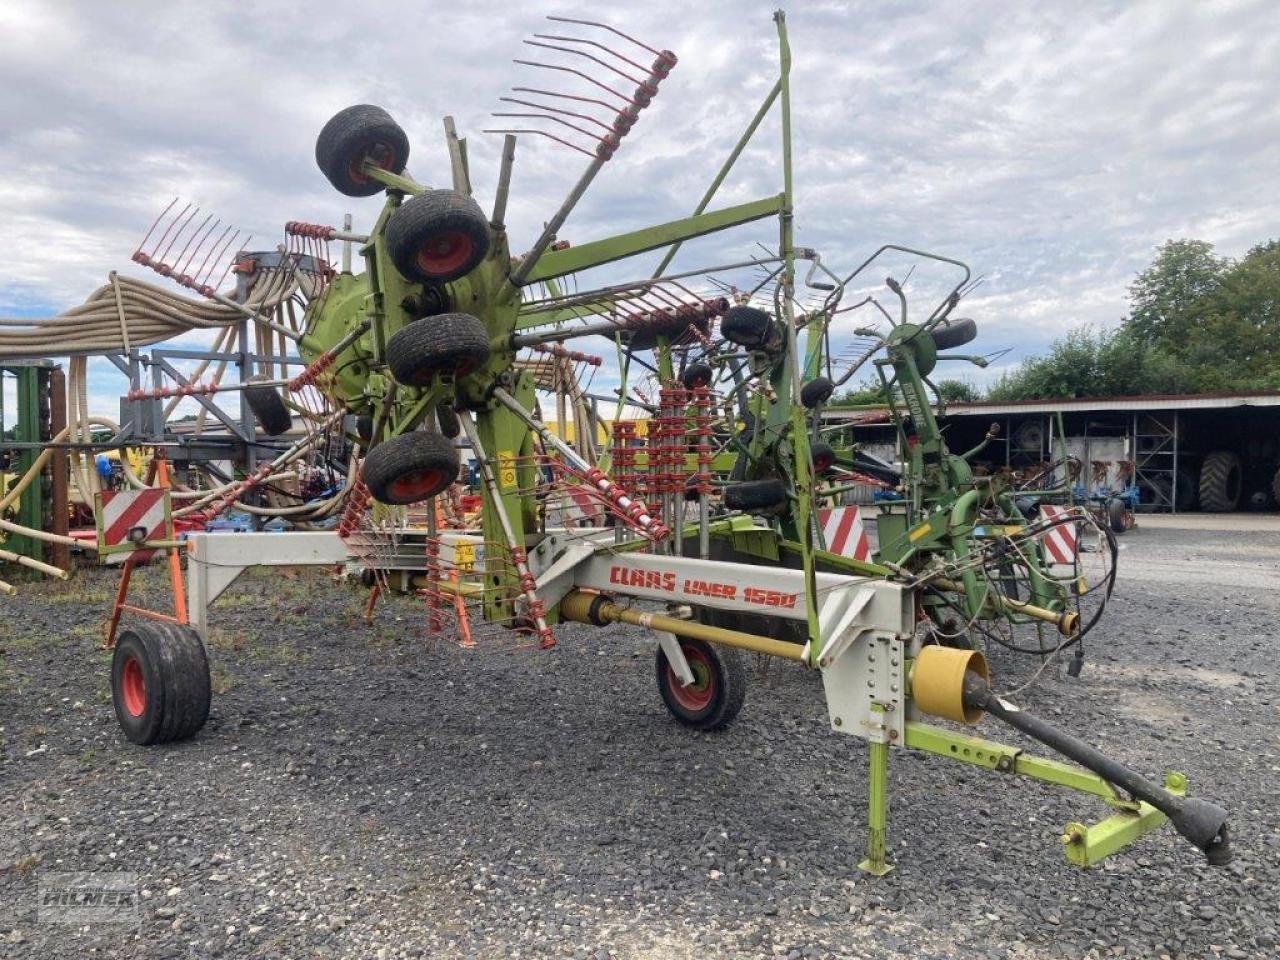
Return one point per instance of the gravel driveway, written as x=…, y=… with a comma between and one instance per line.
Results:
x=362, y=792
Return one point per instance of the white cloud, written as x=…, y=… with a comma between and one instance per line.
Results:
x=1050, y=146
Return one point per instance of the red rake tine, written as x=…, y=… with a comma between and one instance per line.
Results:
x=172, y=223
x=202, y=235
x=543, y=116
x=594, y=59
x=231, y=264
x=164, y=254
x=155, y=223
x=545, y=106
x=217, y=254
x=597, y=45
x=585, y=76
x=542, y=133
x=604, y=26
x=564, y=96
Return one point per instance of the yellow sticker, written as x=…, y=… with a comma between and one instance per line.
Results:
x=464, y=555
x=506, y=468
x=918, y=532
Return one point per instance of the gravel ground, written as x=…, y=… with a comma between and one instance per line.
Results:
x=362, y=792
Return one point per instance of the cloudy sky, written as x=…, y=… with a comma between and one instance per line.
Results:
x=1052, y=146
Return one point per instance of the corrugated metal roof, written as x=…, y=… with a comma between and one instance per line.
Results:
x=1203, y=401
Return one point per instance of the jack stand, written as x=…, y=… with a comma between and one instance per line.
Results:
x=877, y=808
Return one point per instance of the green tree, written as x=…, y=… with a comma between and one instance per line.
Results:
x=1166, y=300
x=957, y=391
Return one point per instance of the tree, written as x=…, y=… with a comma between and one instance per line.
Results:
x=1167, y=299
x=957, y=391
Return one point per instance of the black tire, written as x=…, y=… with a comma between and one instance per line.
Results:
x=816, y=392
x=755, y=495
x=954, y=333
x=1220, y=482
x=364, y=430
x=714, y=699
x=354, y=134
x=411, y=467
x=823, y=456
x=451, y=343
x=1188, y=489
x=268, y=407
x=696, y=375
x=447, y=417
x=1117, y=518
x=160, y=682
x=747, y=327
x=1275, y=486
x=437, y=236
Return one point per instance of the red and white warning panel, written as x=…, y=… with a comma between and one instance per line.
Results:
x=128, y=519
x=1061, y=541
x=842, y=530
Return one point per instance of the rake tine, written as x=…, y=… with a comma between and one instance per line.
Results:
x=543, y=106
x=563, y=96
x=199, y=231
x=155, y=223
x=230, y=264
x=214, y=258
x=592, y=57
x=605, y=26
x=543, y=116
x=172, y=223
x=590, y=79
x=593, y=43
x=543, y=133
x=164, y=254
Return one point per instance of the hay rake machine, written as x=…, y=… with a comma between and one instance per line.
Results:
x=701, y=521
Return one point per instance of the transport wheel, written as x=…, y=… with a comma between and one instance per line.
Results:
x=1220, y=482
x=755, y=495
x=954, y=333
x=824, y=457
x=747, y=327
x=437, y=236
x=411, y=467
x=696, y=375
x=719, y=685
x=816, y=392
x=351, y=136
x=1117, y=517
x=160, y=682
x=451, y=343
x=447, y=417
x=268, y=407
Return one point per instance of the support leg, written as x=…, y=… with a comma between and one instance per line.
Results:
x=877, y=811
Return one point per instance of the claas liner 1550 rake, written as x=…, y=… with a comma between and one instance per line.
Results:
x=705, y=530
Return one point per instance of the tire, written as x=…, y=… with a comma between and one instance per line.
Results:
x=354, y=134
x=451, y=343
x=823, y=456
x=1188, y=489
x=160, y=682
x=696, y=375
x=713, y=700
x=268, y=407
x=364, y=430
x=954, y=333
x=411, y=467
x=1275, y=486
x=755, y=495
x=447, y=417
x=747, y=327
x=437, y=236
x=1220, y=482
x=816, y=392
x=1117, y=518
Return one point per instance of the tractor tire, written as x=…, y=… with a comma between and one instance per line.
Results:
x=268, y=407
x=1275, y=486
x=160, y=682
x=447, y=417
x=715, y=697
x=451, y=343
x=816, y=392
x=411, y=467
x=823, y=456
x=437, y=236
x=1117, y=518
x=954, y=333
x=1220, y=482
x=747, y=327
x=1188, y=489
x=696, y=375
x=755, y=495
x=354, y=134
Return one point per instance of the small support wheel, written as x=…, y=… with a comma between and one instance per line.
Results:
x=268, y=407
x=359, y=133
x=750, y=328
x=816, y=392
x=160, y=682
x=756, y=495
x=823, y=456
x=1117, y=515
x=696, y=375
x=719, y=685
x=437, y=236
x=450, y=343
x=411, y=467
